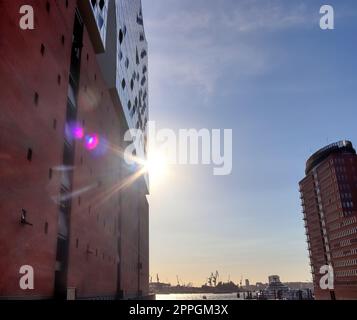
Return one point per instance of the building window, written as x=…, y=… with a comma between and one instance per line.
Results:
x=29, y=154
x=143, y=80
x=101, y=4
x=121, y=36
x=143, y=53
x=36, y=98
x=137, y=57
x=42, y=49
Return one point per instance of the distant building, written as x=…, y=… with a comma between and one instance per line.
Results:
x=260, y=286
x=247, y=282
x=276, y=290
x=329, y=203
x=70, y=206
x=300, y=285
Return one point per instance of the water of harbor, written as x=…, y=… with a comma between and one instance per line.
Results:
x=199, y=296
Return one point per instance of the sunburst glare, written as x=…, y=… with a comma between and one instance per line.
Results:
x=156, y=166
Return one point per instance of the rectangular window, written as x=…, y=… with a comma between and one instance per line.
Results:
x=29, y=154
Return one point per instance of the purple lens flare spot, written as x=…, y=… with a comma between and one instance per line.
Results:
x=78, y=132
x=91, y=141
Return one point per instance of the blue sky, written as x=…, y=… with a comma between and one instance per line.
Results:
x=266, y=70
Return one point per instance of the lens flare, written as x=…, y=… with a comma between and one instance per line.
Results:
x=78, y=132
x=91, y=141
x=74, y=131
x=102, y=147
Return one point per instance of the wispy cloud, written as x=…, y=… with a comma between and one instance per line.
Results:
x=267, y=16
x=197, y=46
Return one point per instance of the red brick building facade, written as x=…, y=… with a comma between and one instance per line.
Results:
x=329, y=198
x=68, y=212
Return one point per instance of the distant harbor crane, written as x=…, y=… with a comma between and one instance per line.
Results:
x=212, y=280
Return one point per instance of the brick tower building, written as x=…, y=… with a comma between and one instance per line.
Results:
x=329, y=199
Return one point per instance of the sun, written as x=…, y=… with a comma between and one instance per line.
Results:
x=156, y=166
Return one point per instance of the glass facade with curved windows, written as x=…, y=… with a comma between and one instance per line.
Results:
x=126, y=48
x=95, y=16
x=100, y=11
x=132, y=66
